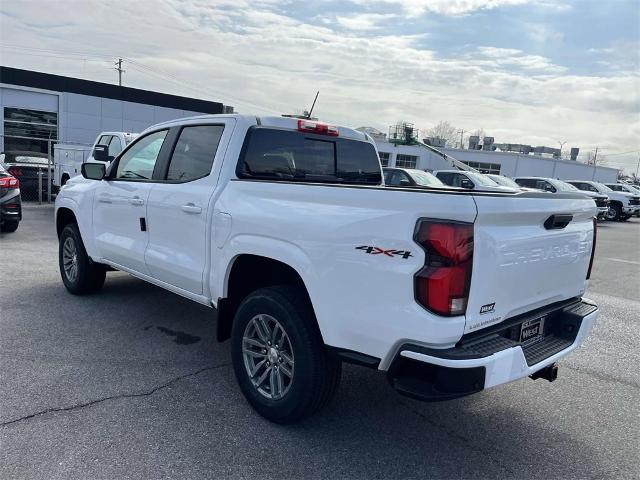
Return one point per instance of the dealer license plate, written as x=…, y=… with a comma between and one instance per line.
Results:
x=532, y=331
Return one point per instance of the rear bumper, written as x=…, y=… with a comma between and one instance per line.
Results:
x=10, y=208
x=484, y=360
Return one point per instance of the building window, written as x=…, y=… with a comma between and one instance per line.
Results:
x=37, y=126
x=406, y=161
x=485, y=167
x=384, y=158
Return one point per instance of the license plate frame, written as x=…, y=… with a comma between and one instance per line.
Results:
x=532, y=331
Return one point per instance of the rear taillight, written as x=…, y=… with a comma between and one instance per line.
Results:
x=593, y=246
x=319, y=128
x=442, y=286
x=15, y=171
x=9, y=182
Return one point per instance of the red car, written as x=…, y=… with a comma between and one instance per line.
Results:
x=10, y=203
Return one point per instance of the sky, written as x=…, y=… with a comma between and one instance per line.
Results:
x=536, y=72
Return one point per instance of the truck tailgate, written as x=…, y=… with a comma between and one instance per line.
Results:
x=520, y=264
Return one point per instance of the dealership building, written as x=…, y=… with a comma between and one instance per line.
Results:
x=43, y=107
x=508, y=163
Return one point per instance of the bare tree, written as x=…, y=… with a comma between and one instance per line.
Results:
x=445, y=131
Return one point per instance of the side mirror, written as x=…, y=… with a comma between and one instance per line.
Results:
x=101, y=153
x=466, y=183
x=93, y=171
x=405, y=183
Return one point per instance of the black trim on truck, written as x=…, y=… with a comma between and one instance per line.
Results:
x=431, y=382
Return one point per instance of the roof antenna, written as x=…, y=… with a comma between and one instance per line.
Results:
x=313, y=104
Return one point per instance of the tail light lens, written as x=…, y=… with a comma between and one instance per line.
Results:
x=319, y=128
x=442, y=286
x=15, y=171
x=593, y=246
x=9, y=182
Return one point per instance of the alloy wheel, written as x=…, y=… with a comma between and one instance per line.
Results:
x=268, y=356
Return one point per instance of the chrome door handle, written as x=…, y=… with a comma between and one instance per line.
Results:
x=104, y=199
x=191, y=208
x=136, y=201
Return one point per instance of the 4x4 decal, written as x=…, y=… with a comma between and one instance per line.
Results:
x=382, y=251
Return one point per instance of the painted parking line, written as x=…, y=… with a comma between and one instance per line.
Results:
x=632, y=262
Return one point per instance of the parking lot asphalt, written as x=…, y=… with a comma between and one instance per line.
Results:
x=130, y=383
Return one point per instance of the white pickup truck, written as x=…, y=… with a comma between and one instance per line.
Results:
x=69, y=157
x=285, y=227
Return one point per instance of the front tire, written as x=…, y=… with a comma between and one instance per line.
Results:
x=80, y=274
x=614, y=213
x=279, y=359
x=9, y=226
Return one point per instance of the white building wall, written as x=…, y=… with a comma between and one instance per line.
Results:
x=82, y=117
x=511, y=164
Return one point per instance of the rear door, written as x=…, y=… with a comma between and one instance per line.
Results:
x=179, y=209
x=518, y=263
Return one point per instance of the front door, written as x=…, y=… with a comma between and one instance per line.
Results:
x=120, y=204
x=179, y=206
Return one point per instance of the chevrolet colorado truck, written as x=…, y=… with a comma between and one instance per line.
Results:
x=284, y=226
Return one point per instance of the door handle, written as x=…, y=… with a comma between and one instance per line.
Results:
x=136, y=201
x=104, y=199
x=191, y=208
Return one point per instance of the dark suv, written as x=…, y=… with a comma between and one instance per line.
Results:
x=10, y=204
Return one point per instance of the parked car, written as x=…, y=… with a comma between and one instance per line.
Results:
x=410, y=177
x=284, y=226
x=31, y=168
x=625, y=187
x=10, y=203
x=70, y=157
x=507, y=182
x=554, y=185
x=470, y=181
x=622, y=205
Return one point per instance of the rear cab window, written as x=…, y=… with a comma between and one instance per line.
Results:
x=288, y=155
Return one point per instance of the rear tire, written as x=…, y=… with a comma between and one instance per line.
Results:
x=276, y=327
x=80, y=274
x=614, y=213
x=9, y=226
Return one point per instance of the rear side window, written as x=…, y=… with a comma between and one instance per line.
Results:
x=195, y=150
x=277, y=154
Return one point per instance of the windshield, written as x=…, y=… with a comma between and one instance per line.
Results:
x=425, y=179
x=504, y=181
x=564, y=186
x=602, y=187
x=481, y=179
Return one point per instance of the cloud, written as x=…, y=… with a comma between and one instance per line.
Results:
x=444, y=7
x=259, y=57
x=365, y=21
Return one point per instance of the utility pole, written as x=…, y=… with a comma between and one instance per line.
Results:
x=561, y=145
x=595, y=157
x=120, y=71
x=637, y=167
x=461, y=132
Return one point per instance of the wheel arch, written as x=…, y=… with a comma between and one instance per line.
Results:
x=247, y=273
x=64, y=216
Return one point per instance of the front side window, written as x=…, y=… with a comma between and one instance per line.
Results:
x=138, y=162
x=277, y=154
x=195, y=150
x=114, y=147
